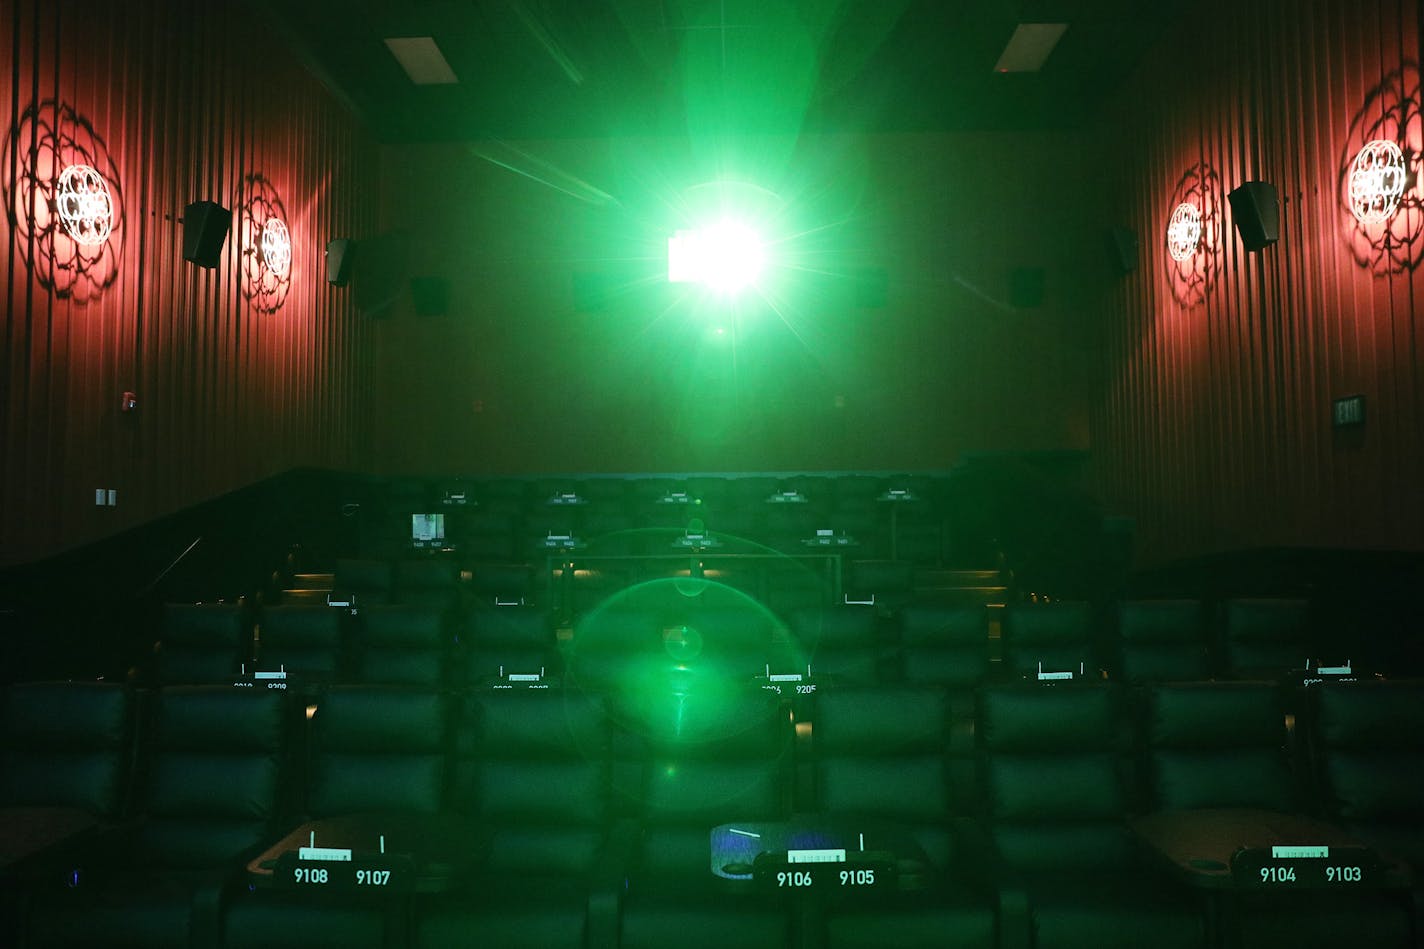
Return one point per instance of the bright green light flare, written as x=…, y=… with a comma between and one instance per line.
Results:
x=721, y=238
x=675, y=653
x=726, y=257
x=748, y=67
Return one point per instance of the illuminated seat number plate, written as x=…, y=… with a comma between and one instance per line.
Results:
x=389, y=873
x=1287, y=875
x=1303, y=867
x=322, y=876
x=830, y=875
x=855, y=877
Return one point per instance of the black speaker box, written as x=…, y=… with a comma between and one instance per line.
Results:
x=1256, y=213
x=1122, y=243
x=205, y=227
x=431, y=295
x=340, y=261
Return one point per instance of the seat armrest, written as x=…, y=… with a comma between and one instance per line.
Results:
x=1015, y=921
x=608, y=881
x=210, y=893
x=96, y=852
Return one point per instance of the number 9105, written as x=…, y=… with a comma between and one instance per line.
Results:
x=857, y=878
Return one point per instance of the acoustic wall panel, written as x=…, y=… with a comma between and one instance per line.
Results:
x=164, y=100
x=1211, y=425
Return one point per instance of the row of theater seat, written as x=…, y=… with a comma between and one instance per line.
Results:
x=492, y=537
x=573, y=582
x=655, y=492
x=558, y=818
x=508, y=519
x=708, y=625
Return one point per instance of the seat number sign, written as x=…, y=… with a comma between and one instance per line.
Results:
x=1302, y=867
x=826, y=869
x=379, y=873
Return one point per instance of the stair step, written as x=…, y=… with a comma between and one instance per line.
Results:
x=312, y=581
x=303, y=597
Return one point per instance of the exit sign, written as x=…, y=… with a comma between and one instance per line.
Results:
x=1349, y=411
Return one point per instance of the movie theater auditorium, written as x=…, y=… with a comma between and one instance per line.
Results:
x=683, y=475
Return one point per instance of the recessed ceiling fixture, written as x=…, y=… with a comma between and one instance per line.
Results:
x=422, y=60
x=1030, y=47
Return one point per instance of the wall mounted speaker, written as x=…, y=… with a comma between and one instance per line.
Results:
x=205, y=227
x=1256, y=213
x=431, y=295
x=340, y=261
x=1122, y=246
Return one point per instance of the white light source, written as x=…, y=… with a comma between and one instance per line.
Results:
x=276, y=246
x=1377, y=181
x=1028, y=49
x=85, y=207
x=422, y=60
x=725, y=257
x=684, y=257
x=1184, y=231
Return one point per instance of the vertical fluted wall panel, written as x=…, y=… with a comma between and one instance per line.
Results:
x=1212, y=422
x=178, y=102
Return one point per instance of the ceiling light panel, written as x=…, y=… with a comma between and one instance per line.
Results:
x=1030, y=47
x=422, y=60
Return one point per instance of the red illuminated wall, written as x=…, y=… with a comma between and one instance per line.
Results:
x=523, y=376
x=1212, y=425
x=235, y=379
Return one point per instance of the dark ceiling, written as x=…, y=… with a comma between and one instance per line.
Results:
x=590, y=68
